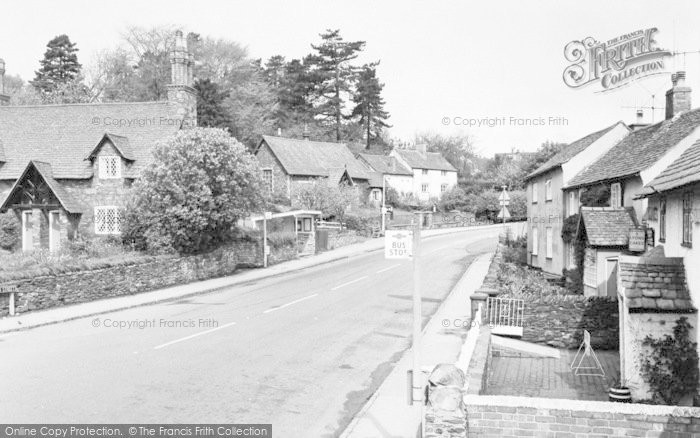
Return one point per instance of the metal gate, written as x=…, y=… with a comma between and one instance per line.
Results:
x=505, y=316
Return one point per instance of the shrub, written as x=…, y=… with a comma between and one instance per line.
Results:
x=515, y=251
x=192, y=195
x=9, y=231
x=363, y=225
x=517, y=281
x=332, y=200
x=281, y=239
x=671, y=370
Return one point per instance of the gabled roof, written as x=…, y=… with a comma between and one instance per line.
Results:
x=655, y=283
x=63, y=135
x=571, y=150
x=376, y=180
x=638, y=150
x=121, y=144
x=607, y=226
x=70, y=204
x=427, y=160
x=385, y=164
x=313, y=158
x=685, y=170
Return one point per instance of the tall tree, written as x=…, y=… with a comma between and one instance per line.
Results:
x=336, y=76
x=210, y=104
x=59, y=66
x=369, y=104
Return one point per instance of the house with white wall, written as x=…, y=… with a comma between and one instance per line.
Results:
x=433, y=175
x=546, y=205
x=386, y=171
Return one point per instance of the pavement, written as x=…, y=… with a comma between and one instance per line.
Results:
x=93, y=308
x=303, y=348
x=387, y=414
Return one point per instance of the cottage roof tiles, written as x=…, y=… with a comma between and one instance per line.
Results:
x=386, y=164
x=425, y=160
x=64, y=135
x=685, y=170
x=656, y=284
x=314, y=158
x=639, y=150
x=607, y=226
x=571, y=150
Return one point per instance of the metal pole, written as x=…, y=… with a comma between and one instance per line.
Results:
x=417, y=321
x=264, y=242
x=383, y=203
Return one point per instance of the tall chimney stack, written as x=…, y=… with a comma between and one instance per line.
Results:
x=4, y=99
x=678, y=97
x=181, y=92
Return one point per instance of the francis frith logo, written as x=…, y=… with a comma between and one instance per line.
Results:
x=614, y=63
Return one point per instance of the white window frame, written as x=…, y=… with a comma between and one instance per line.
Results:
x=535, y=240
x=548, y=190
x=103, y=166
x=549, y=239
x=424, y=171
x=272, y=179
x=534, y=193
x=443, y=188
x=616, y=195
x=424, y=188
x=443, y=173
x=106, y=208
x=572, y=201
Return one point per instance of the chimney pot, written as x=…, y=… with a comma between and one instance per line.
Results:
x=4, y=99
x=678, y=97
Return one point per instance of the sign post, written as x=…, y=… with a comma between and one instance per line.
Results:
x=504, y=200
x=266, y=249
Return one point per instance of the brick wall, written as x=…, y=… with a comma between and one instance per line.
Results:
x=267, y=160
x=41, y=289
x=498, y=416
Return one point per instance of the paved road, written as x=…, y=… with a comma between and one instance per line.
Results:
x=302, y=351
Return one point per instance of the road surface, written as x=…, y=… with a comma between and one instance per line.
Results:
x=302, y=351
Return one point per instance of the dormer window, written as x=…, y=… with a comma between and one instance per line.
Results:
x=110, y=167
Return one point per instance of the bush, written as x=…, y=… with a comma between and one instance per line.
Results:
x=518, y=281
x=190, y=198
x=281, y=239
x=515, y=251
x=671, y=370
x=362, y=225
x=331, y=200
x=9, y=231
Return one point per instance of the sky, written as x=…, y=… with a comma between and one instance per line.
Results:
x=443, y=62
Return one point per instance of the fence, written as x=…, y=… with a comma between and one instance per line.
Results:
x=505, y=315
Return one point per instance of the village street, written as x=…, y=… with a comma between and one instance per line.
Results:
x=302, y=351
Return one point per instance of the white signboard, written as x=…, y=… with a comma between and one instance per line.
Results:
x=504, y=196
x=398, y=244
x=504, y=213
x=268, y=215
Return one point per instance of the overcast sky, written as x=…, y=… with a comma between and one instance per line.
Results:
x=439, y=59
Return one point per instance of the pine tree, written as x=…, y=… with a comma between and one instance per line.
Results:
x=369, y=104
x=59, y=67
x=210, y=105
x=335, y=76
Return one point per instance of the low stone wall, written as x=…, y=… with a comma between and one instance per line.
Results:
x=559, y=321
x=45, y=291
x=498, y=416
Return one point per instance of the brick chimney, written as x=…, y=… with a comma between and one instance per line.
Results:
x=181, y=92
x=678, y=97
x=4, y=99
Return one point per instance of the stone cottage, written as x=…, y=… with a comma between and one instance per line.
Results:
x=65, y=169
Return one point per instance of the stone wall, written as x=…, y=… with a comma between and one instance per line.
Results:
x=499, y=416
x=41, y=289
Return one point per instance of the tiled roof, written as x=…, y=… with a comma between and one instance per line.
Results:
x=386, y=164
x=314, y=158
x=64, y=135
x=571, y=150
x=121, y=144
x=607, y=226
x=427, y=160
x=360, y=148
x=639, y=150
x=67, y=201
x=685, y=170
x=656, y=284
x=376, y=180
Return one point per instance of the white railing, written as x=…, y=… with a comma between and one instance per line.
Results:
x=329, y=225
x=505, y=315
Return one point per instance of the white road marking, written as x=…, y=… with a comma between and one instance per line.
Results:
x=386, y=269
x=349, y=282
x=194, y=335
x=289, y=304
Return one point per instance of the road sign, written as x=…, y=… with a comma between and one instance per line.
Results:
x=398, y=244
x=504, y=213
x=504, y=203
x=268, y=215
x=504, y=196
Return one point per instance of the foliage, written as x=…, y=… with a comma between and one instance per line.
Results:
x=596, y=196
x=671, y=368
x=191, y=197
x=574, y=280
x=515, y=251
x=456, y=199
x=9, y=231
x=369, y=104
x=59, y=66
x=458, y=150
x=362, y=224
x=210, y=105
x=568, y=230
x=518, y=281
x=331, y=199
x=281, y=239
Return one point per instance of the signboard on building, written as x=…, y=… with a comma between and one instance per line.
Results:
x=398, y=244
x=637, y=240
